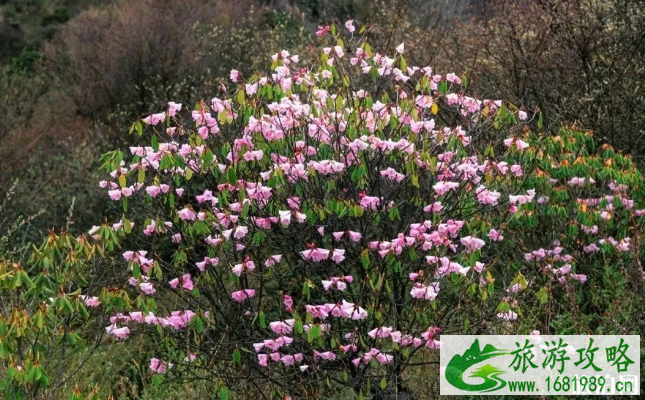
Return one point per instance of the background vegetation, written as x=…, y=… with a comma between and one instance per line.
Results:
x=74, y=74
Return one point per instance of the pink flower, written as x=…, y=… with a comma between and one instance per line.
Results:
x=282, y=327
x=242, y=295
x=354, y=236
x=435, y=207
x=285, y=217
x=174, y=283
x=381, y=332
x=187, y=214
x=273, y=260
x=520, y=144
x=370, y=202
x=153, y=191
x=285, y=84
x=316, y=254
x=353, y=311
x=288, y=360
x=420, y=291
x=246, y=265
x=206, y=196
x=514, y=288
x=338, y=236
x=158, y=366
x=201, y=265
x=288, y=302
x=186, y=282
x=522, y=199
x=577, y=181
x=92, y=301
x=300, y=217
x=453, y=78
x=591, y=248
x=235, y=75
x=478, y=266
x=350, y=26
x=485, y=196
x=263, y=360
x=338, y=255
x=147, y=288
x=240, y=232
x=120, y=333
x=173, y=108
x=522, y=115
x=327, y=355
x=392, y=175
x=495, y=235
x=400, y=48
x=472, y=243
x=114, y=194
x=154, y=119
x=323, y=30
x=251, y=89
x=383, y=358
x=442, y=187
x=508, y=316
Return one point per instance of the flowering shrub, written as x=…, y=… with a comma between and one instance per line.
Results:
x=42, y=311
x=316, y=230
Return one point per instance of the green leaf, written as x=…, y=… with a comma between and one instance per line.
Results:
x=17, y=281
x=404, y=65
x=157, y=379
x=231, y=176
x=28, y=280
x=415, y=180
x=224, y=394
x=199, y=325
x=365, y=258
x=237, y=356
x=383, y=383
x=443, y=87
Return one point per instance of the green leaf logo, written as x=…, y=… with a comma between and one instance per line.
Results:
x=460, y=363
